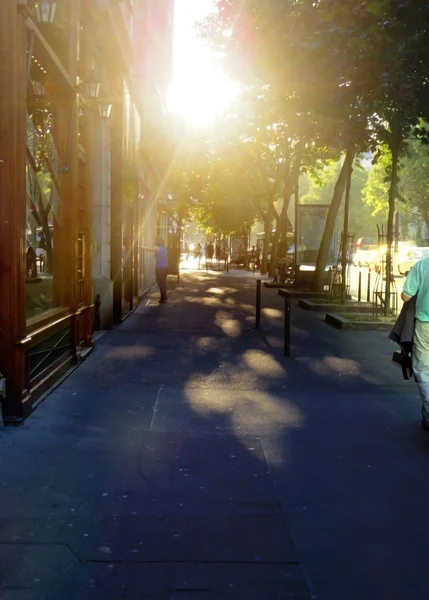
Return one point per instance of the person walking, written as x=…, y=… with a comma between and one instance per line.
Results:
x=210, y=253
x=417, y=284
x=198, y=252
x=161, y=266
x=252, y=259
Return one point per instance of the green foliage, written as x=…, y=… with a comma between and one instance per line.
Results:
x=319, y=189
x=330, y=78
x=321, y=184
x=376, y=191
x=413, y=184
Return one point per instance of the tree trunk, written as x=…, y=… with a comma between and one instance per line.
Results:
x=291, y=178
x=322, y=256
x=44, y=213
x=344, y=258
x=425, y=216
x=394, y=148
x=274, y=253
x=295, y=234
x=266, y=244
x=246, y=246
x=275, y=246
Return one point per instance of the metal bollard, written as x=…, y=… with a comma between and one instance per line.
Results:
x=360, y=287
x=368, y=289
x=258, y=304
x=286, y=351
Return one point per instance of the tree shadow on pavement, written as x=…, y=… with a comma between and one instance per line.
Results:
x=188, y=456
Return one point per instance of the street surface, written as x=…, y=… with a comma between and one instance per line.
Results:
x=187, y=459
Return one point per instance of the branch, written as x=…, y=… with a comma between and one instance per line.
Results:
x=258, y=207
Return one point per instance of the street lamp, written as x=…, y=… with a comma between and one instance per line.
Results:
x=104, y=108
x=45, y=10
x=92, y=86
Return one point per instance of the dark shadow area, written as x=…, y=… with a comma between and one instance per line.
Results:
x=188, y=458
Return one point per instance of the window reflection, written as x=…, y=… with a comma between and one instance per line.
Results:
x=42, y=213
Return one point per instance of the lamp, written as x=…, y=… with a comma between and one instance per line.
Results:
x=92, y=86
x=104, y=108
x=45, y=10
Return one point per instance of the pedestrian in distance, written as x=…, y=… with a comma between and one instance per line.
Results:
x=253, y=258
x=197, y=253
x=161, y=266
x=417, y=284
x=210, y=252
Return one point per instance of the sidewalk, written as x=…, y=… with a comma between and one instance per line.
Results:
x=188, y=459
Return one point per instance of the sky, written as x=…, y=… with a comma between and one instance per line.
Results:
x=199, y=91
x=187, y=49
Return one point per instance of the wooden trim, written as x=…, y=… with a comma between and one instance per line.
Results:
x=41, y=323
x=13, y=112
x=45, y=380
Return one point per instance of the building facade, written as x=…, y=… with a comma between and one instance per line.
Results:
x=77, y=186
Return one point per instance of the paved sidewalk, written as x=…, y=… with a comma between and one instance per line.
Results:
x=188, y=459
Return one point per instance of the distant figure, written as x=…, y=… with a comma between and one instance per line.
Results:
x=161, y=265
x=31, y=263
x=217, y=252
x=197, y=253
x=186, y=251
x=210, y=251
x=253, y=258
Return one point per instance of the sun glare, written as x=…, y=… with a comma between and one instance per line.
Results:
x=200, y=92
x=201, y=98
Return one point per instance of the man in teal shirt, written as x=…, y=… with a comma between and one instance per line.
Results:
x=417, y=283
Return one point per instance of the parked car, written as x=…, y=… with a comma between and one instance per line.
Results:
x=407, y=257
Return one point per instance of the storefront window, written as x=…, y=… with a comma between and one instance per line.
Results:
x=43, y=204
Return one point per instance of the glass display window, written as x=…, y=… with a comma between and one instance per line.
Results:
x=42, y=213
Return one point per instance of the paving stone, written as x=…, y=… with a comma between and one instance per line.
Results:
x=202, y=580
x=40, y=571
x=187, y=458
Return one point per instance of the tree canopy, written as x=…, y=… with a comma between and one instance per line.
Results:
x=321, y=81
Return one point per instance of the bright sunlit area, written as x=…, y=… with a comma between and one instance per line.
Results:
x=200, y=91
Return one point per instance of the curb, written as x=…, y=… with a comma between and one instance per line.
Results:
x=340, y=322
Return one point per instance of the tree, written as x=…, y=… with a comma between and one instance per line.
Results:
x=343, y=76
x=318, y=188
x=292, y=50
x=414, y=180
x=397, y=68
x=376, y=191
x=413, y=183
